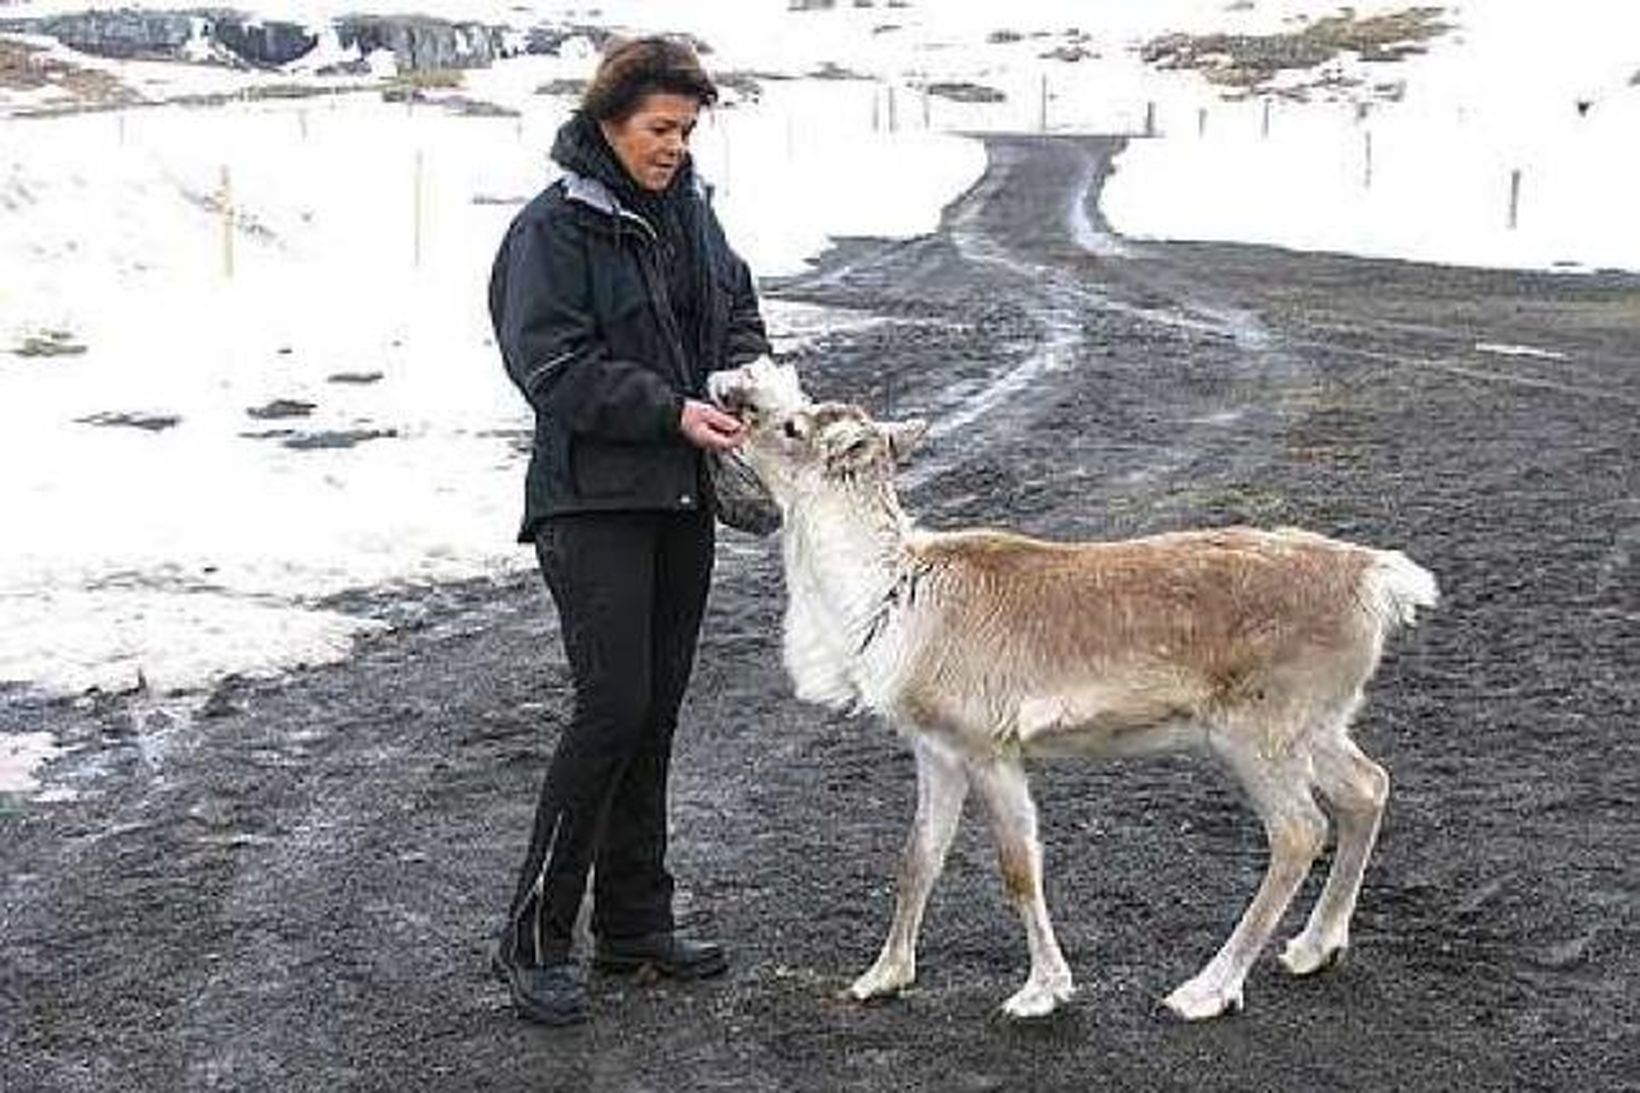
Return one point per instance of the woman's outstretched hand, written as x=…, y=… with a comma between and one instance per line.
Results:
x=705, y=426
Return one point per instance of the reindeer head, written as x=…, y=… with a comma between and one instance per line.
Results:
x=793, y=443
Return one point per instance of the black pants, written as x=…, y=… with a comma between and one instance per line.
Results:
x=630, y=589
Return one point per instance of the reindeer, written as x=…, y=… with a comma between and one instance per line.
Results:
x=985, y=648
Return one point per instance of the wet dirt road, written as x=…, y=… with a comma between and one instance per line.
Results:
x=299, y=891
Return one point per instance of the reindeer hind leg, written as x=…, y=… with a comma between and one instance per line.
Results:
x=1355, y=789
x=1296, y=828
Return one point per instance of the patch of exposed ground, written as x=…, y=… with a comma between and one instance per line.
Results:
x=26, y=67
x=964, y=91
x=1246, y=62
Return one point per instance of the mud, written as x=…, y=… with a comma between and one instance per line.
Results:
x=299, y=891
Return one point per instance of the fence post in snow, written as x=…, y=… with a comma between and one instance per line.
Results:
x=1042, y=115
x=1150, y=119
x=225, y=200
x=927, y=124
x=416, y=209
x=1514, y=198
x=301, y=121
x=1264, y=127
x=1366, y=171
x=893, y=120
x=1201, y=121
x=876, y=112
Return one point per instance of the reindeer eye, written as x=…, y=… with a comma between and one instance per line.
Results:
x=791, y=430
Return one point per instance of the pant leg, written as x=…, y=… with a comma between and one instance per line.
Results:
x=600, y=569
x=632, y=889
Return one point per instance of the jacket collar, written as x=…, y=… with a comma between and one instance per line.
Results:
x=598, y=196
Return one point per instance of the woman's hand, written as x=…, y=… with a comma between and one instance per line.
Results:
x=705, y=426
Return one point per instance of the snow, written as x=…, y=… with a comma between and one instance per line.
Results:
x=364, y=231
x=177, y=554
x=1491, y=111
x=1502, y=349
x=21, y=754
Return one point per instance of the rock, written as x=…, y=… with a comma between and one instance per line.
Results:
x=264, y=44
x=281, y=408
x=53, y=343
x=966, y=92
x=126, y=33
x=338, y=438
x=549, y=40
x=419, y=43
x=153, y=423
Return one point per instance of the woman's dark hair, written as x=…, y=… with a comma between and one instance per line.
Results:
x=635, y=67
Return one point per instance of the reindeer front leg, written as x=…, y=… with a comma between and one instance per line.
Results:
x=1007, y=796
x=941, y=787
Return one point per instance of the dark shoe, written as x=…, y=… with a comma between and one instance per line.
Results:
x=666, y=953
x=549, y=995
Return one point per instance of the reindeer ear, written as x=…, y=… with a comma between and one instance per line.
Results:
x=847, y=446
x=903, y=436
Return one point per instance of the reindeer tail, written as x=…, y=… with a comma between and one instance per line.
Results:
x=1395, y=586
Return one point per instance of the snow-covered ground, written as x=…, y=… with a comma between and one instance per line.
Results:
x=183, y=550
x=1488, y=120
x=201, y=263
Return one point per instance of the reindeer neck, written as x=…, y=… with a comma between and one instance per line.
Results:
x=850, y=539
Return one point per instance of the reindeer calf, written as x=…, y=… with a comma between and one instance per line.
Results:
x=984, y=648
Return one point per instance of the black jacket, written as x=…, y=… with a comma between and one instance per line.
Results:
x=580, y=302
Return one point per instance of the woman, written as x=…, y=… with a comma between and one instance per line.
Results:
x=613, y=295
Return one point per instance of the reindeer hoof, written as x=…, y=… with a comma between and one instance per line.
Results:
x=1036, y=1000
x=1198, y=1002
x=1303, y=958
x=880, y=981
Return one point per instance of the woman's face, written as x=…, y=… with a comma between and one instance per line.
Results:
x=653, y=141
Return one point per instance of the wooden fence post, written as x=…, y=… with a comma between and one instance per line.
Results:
x=225, y=200
x=415, y=189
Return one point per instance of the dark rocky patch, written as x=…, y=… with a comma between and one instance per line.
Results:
x=418, y=43
x=134, y=419
x=565, y=86
x=965, y=92
x=336, y=438
x=262, y=42
x=281, y=408
x=1070, y=54
x=50, y=343
x=831, y=70
x=1248, y=61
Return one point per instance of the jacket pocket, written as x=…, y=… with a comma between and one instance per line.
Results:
x=606, y=470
